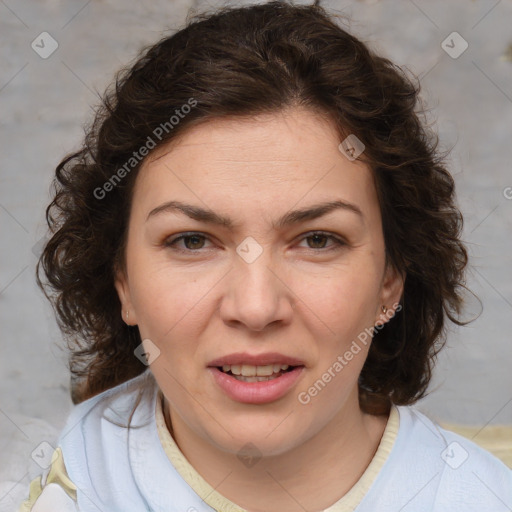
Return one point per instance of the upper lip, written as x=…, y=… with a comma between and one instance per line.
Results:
x=267, y=358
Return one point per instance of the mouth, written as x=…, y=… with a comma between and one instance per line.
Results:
x=256, y=378
x=244, y=359
x=252, y=373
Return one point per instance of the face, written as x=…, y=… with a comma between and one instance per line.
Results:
x=265, y=286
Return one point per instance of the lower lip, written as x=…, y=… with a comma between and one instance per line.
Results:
x=256, y=392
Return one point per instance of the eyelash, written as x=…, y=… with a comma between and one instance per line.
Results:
x=170, y=243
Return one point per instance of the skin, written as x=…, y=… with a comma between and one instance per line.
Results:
x=303, y=297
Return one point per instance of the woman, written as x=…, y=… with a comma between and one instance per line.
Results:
x=254, y=257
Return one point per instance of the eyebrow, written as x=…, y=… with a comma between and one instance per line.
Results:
x=293, y=217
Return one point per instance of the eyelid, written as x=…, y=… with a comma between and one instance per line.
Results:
x=339, y=240
x=169, y=241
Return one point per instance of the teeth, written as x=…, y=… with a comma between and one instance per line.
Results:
x=236, y=368
x=248, y=370
x=255, y=379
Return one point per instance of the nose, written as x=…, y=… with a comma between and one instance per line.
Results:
x=257, y=294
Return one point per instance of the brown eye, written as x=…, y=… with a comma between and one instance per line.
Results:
x=191, y=241
x=194, y=241
x=318, y=241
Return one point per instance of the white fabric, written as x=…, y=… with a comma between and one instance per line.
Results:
x=53, y=498
x=116, y=470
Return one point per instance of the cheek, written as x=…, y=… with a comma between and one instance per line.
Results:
x=154, y=285
x=341, y=312
x=343, y=337
x=171, y=306
x=345, y=299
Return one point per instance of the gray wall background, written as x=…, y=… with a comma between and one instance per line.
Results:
x=45, y=102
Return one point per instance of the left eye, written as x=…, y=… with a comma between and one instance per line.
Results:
x=193, y=240
x=325, y=236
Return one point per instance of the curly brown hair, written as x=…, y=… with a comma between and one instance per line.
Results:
x=246, y=61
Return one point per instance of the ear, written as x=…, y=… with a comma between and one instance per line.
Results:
x=123, y=291
x=392, y=288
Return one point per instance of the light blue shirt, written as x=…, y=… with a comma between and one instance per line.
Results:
x=429, y=469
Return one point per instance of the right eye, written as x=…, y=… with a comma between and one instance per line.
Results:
x=190, y=240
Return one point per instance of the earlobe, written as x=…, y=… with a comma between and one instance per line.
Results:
x=391, y=294
x=123, y=292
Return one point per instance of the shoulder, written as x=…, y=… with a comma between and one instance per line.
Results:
x=53, y=490
x=119, y=400
x=457, y=450
x=463, y=472
x=88, y=426
x=100, y=424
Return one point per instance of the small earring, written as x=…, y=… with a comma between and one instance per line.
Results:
x=384, y=309
x=127, y=314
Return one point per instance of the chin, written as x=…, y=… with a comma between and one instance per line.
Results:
x=257, y=439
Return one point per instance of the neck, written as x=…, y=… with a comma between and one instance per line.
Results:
x=289, y=482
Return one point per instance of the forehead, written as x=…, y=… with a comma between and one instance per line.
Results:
x=290, y=158
x=293, y=135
